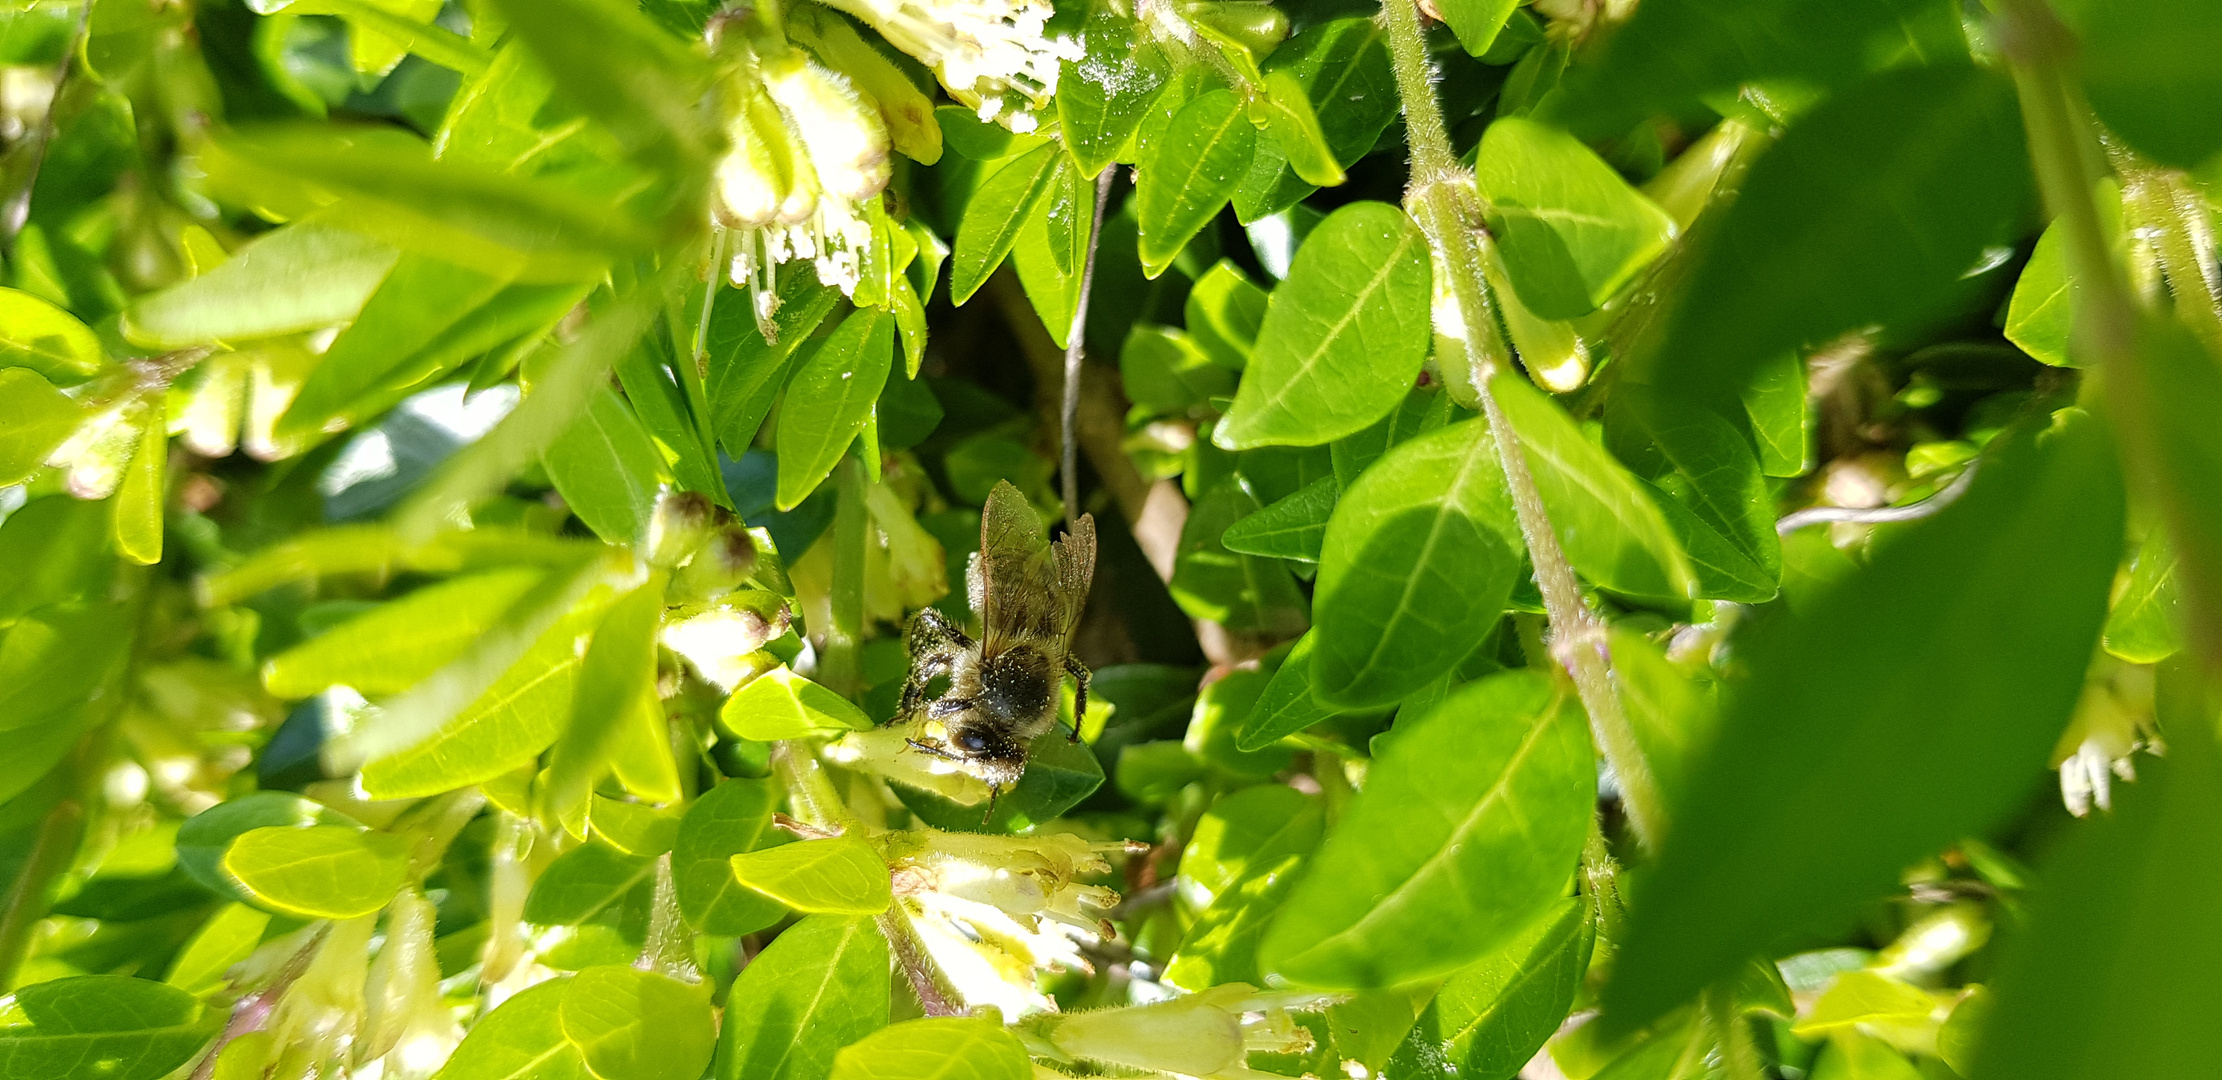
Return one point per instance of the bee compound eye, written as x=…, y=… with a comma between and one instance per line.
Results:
x=972, y=741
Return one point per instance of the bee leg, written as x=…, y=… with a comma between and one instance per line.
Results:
x=948, y=707
x=934, y=647
x=994, y=793
x=929, y=748
x=1079, y=673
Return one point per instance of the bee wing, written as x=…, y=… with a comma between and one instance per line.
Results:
x=1076, y=567
x=1016, y=575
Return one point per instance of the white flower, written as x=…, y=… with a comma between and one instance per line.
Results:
x=990, y=54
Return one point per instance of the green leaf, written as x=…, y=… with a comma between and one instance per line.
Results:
x=100, y=1027
x=589, y=883
x=746, y=372
x=228, y=937
x=1222, y=945
x=1059, y=773
x=1244, y=593
x=34, y=419
x=822, y=985
x=1787, y=827
x=2039, y=314
x=617, y=678
x=2146, y=623
x=1245, y=829
x=1477, y=23
x=2147, y=70
x=1774, y=402
x=831, y=400
x=1418, y=563
x=780, y=704
x=940, y=1048
x=1103, y=94
x=1469, y=828
x=1610, y=529
x=1342, y=68
x=1572, y=231
x=418, y=302
x=1492, y=1016
x=321, y=871
x=388, y=185
x=1188, y=174
x=1671, y=55
x=392, y=646
x=303, y=276
x=1707, y=472
x=1165, y=372
x=203, y=839
x=1051, y=254
x=522, y=1039
x=1344, y=336
x=517, y=717
x=1223, y=313
x=607, y=469
x=1672, y=716
x=139, y=500
x=1287, y=704
x=1423, y=410
x=1869, y=209
x=841, y=875
x=638, y=1025
x=49, y=341
x=1294, y=527
x=727, y=820
x=992, y=220
x=642, y=84
x=2115, y=972
x=2183, y=388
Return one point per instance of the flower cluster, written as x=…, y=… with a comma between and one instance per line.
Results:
x=993, y=55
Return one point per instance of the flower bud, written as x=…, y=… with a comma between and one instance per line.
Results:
x=908, y=114
x=720, y=565
x=764, y=178
x=844, y=138
x=680, y=524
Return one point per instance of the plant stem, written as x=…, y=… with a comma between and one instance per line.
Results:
x=17, y=209
x=1441, y=199
x=2156, y=202
x=2107, y=315
x=1068, y=412
x=26, y=899
x=815, y=801
x=839, y=667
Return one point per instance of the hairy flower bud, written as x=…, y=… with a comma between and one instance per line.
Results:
x=845, y=139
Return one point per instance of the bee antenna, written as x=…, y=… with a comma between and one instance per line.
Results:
x=994, y=793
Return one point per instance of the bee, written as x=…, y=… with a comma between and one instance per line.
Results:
x=1003, y=689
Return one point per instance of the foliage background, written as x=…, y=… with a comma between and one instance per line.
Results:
x=1609, y=512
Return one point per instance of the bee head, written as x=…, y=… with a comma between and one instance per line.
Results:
x=987, y=753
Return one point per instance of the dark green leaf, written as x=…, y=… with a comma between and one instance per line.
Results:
x=1103, y=94
x=1344, y=336
x=993, y=219
x=1673, y=54
x=1418, y=562
x=1788, y=826
x=1869, y=209
x=1188, y=174
x=831, y=400
x=2115, y=974
x=1572, y=231
x=1294, y=527
x=1342, y=67
x=1707, y=470
x=746, y=372
x=1244, y=593
x=822, y=985
x=2147, y=68
x=1783, y=426
x=1493, y=1015
x=1469, y=828
x=1223, y=312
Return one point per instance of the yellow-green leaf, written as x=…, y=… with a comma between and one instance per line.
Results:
x=840, y=875
x=320, y=872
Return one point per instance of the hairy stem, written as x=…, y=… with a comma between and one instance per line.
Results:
x=1068, y=412
x=2157, y=202
x=2107, y=315
x=1442, y=201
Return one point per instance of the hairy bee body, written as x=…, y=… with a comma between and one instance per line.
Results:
x=1003, y=688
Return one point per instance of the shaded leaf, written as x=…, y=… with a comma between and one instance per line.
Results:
x=725, y=821
x=831, y=401
x=522, y=1039
x=1572, y=231
x=822, y=985
x=1295, y=527
x=100, y=1027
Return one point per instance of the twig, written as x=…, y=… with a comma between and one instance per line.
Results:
x=1815, y=515
x=18, y=207
x=1068, y=413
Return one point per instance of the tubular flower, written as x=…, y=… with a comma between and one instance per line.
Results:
x=1210, y=1034
x=990, y=54
x=802, y=178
